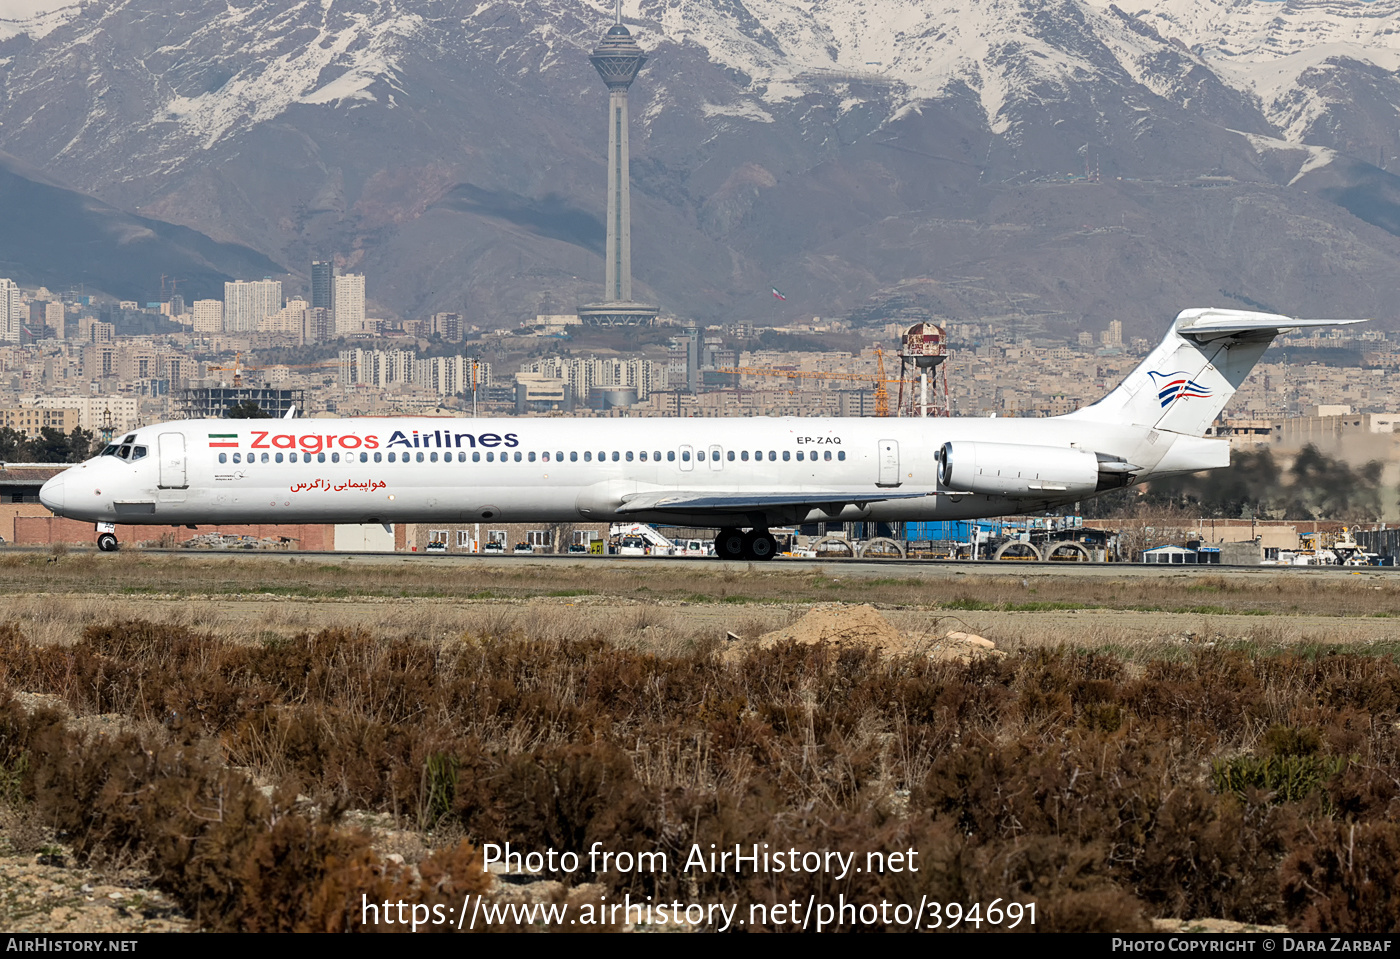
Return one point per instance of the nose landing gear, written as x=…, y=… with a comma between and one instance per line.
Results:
x=107, y=537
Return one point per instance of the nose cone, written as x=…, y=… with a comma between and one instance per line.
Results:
x=51, y=495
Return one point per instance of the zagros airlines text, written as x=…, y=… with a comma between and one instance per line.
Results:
x=437, y=439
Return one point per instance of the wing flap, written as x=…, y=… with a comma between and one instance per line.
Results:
x=670, y=501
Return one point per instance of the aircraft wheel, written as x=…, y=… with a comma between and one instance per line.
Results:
x=731, y=544
x=107, y=543
x=760, y=545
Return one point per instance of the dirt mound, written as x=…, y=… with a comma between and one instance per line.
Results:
x=840, y=625
x=863, y=626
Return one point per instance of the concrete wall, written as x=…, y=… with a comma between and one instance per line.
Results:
x=364, y=538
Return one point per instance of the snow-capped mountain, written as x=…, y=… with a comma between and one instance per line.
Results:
x=841, y=148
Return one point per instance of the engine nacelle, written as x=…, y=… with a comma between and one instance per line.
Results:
x=1019, y=471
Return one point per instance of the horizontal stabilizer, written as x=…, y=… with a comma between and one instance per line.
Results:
x=669, y=501
x=1210, y=322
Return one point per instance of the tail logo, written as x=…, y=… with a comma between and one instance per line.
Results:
x=1178, y=385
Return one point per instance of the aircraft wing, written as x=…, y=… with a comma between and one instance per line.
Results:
x=829, y=501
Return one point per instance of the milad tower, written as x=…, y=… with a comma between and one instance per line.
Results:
x=618, y=59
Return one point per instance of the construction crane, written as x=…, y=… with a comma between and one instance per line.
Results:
x=882, y=395
x=238, y=368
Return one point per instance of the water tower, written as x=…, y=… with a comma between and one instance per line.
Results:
x=925, y=347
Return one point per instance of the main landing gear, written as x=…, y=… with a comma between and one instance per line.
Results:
x=107, y=537
x=756, y=544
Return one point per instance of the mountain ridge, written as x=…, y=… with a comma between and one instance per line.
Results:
x=457, y=156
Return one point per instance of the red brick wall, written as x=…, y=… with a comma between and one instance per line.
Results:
x=46, y=530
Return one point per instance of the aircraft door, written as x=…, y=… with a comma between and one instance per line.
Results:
x=172, y=461
x=687, y=458
x=889, y=463
x=716, y=457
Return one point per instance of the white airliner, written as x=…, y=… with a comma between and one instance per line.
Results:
x=740, y=475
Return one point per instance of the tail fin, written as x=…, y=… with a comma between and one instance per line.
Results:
x=1186, y=381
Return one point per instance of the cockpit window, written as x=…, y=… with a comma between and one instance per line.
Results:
x=124, y=452
x=130, y=439
x=110, y=450
x=137, y=453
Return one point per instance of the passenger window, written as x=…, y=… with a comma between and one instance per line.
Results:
x=772, y=456
x=573, y=456
x=293, y=457
x=799, y=456
x=787, y=455
x=277, y=457
x=588, y=456
x=840, y=454
x=744, y=455
x=335, y=457
x=391, y=457
x=490, y=457
x=700, y=455
x=320, y=457
x=364, y=457
x=643, y=455
x=670, y=456
x=517, y=456
x=264, y=458
x=476, y=456
x=657, y=455
x=731, y=456
x=377, y=457
x=629, y=456
x=615, y=456
x=532, y=456
x=685, y=456
x=420, y=457
x=827, y=455
x=544, y=457
x=237, y=457
x=462, y=456
x=223, y=457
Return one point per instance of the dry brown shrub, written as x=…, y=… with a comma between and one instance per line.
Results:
x=1073, y=779
x=1341, y=878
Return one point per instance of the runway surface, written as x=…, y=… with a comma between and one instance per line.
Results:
x=911, y=568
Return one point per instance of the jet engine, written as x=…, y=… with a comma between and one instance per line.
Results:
x=1023, y=471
